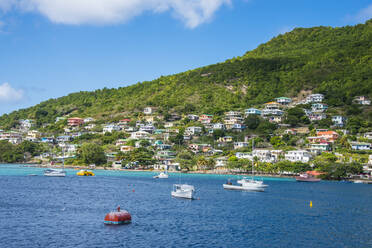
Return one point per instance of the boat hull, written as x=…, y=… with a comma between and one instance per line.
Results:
x=244, y=188
x=309, y=180
x=182, y=194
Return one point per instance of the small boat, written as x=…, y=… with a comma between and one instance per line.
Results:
x=85, y=173
x=246, y=180
x=307, y=178
x=55, y=173
x=246, y=185
x=358, y=181
x=183, y=191
x=162, y=175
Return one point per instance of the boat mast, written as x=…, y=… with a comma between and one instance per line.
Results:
x=252, y=158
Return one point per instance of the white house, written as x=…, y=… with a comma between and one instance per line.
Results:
x=193, y=117
x=193, y=130
x=368, y=135
x=338, y=120
x=147, y=128
x=319, y=107
x=264, y=155
x=267, y=111
x=27, y=124
x=238, y=145
x=283, y=100
x=298, y=156
x=139, y=135
x=88, y=119
x=315, y=98
x=244, y=155
x=219, y=126
x=148, y=110
x=221, y=162
x=111, y=128
x=317, y=116
x=360, y=146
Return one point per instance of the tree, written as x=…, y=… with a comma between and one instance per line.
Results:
x=91, y=153
x=252, y=122
x=276, y=141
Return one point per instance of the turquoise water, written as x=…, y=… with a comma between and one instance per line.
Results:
x=38, y=211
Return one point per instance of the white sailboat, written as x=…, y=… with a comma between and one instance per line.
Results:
x=162, y=175
x=247, y=184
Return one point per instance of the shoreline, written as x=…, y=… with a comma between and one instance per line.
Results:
x=76, y=167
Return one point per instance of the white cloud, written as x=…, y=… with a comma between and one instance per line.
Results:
x=364, y=14
x=9, y=94
x=75, y=12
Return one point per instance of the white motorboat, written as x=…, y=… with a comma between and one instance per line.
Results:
x=250, y=185
x=246, y=180
x=55, y=173
x=162, y=175
x=183, y=191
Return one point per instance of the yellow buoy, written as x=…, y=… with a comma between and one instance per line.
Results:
x=311, y=204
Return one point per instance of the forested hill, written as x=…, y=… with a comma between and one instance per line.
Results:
x=334, y=61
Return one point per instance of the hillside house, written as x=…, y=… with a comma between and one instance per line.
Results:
x=148, y=110
x=272, y=105
x=338, y=120
x=319, y=107
x=225, y=139
x=233, y=114
x=193, y=117
x=27, y=124
x=368, y=135
x=126, y=148
x=275, y=119
x=283, y=100
x=147, y=128
x=221, y=163
x=322, y=146
x=75, y=121
x=111, y=128
x=12, y=137
x=298, y=156
x=252, y=111
x=244, y=155
x=193, y=130
x=205, y=119
x=238, y=127
x=317, y=116
x=314, y=98
x=264, y=155
x=219, y=126
x=238, y=145
x=88, y=119
x=140, y=135
x=360, y=146
x=330, y=136
x=316, y=139
x=363, y=100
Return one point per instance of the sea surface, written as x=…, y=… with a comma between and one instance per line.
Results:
x=38, y=211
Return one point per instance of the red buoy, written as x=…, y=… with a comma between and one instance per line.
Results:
x=118, y=217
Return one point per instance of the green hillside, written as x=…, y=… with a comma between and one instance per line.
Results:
x=334, y=61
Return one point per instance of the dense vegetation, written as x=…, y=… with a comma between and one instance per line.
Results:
x=334, y=61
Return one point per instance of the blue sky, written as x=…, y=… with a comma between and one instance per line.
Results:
x=50, y=48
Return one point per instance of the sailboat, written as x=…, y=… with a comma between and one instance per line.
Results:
x=162, y=175
x=57, y=172
x=247, y=184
